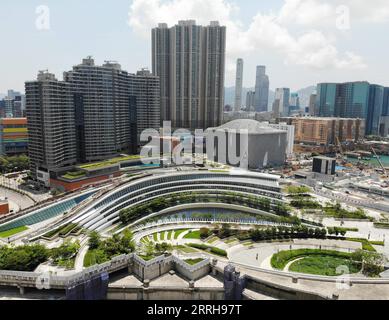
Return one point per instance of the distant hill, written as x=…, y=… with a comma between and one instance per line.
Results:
x=304, y=95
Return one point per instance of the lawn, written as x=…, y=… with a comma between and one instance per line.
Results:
x=213, y=240
x=324, y=265
x=231, y=241
x=193, y=261
x=185, y=249
x=93, y=257
x=281, y=259
x=178, y=232
x=102, y=164
x=195, y=234
x=11, y=232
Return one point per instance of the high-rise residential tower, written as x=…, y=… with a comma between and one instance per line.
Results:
x=190, y=62
x=51, y=124
x=261, y=90
x=96, y=113
x=109, y=102
x=238, y=85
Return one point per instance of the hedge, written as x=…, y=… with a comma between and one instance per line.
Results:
x=281, y=259
x=217, y=251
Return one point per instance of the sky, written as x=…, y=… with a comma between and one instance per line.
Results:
x=302, y=42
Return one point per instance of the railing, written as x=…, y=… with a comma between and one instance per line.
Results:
x=208, y=221
x=31, y=278
x=302, y=276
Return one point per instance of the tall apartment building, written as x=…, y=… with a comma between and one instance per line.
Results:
x=51, y=124
x=238, y=85
x=281, y=102
x=190, y=62
x=97, y=112
x=353, y=100
x=145, y=105
x=261, y=90
x=325, y=131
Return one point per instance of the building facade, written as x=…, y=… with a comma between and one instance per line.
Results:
x=190, y=62
x=261, y=98
x=281, y=102
x=325, y=131
x=51, y=124
x=312, y=105
x=250, y=100
x=238, y=85
x=353, y=100
x=258, y=147
x=96, y=113
x=13, y=136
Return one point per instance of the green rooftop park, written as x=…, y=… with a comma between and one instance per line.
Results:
x=107, y=163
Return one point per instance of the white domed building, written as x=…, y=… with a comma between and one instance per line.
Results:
x=257, y=146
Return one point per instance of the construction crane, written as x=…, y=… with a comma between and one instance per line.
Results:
x=379, y=161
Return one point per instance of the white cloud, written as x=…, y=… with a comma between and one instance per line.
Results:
x=324, y=13
x=309, y=47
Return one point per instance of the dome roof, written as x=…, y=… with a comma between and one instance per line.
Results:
x=253, y=127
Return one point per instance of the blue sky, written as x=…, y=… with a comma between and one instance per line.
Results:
x=298, y=40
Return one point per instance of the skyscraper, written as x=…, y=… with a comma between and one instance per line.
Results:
x=190, y=62
x=312, y=104
x=261, y=90
x=294, y=102
x=250, y=98
x=375, y=109
x=353, y=100
x=97, y=112
x=238, y=85
x=281, y=102
x=326, y=99
x=50, y=121
x=109, y=102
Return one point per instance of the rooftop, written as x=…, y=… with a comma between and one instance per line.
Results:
x=253, y=126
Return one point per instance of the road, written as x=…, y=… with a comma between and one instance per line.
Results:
x=20, y=201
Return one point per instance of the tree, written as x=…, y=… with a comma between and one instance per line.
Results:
x=149, y=248
x=372, y=262
x=204, y=233
x=94, y=240
x=22, y=258
x=127, y=242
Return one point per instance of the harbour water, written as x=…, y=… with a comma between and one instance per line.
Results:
x=373, y=161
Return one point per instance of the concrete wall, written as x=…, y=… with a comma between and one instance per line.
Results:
x=267, y=149
x=165, y=294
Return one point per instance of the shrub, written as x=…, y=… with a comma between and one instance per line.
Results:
x=205, y=233
x=281, y=259
x=22, y=258
x=217, y=251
